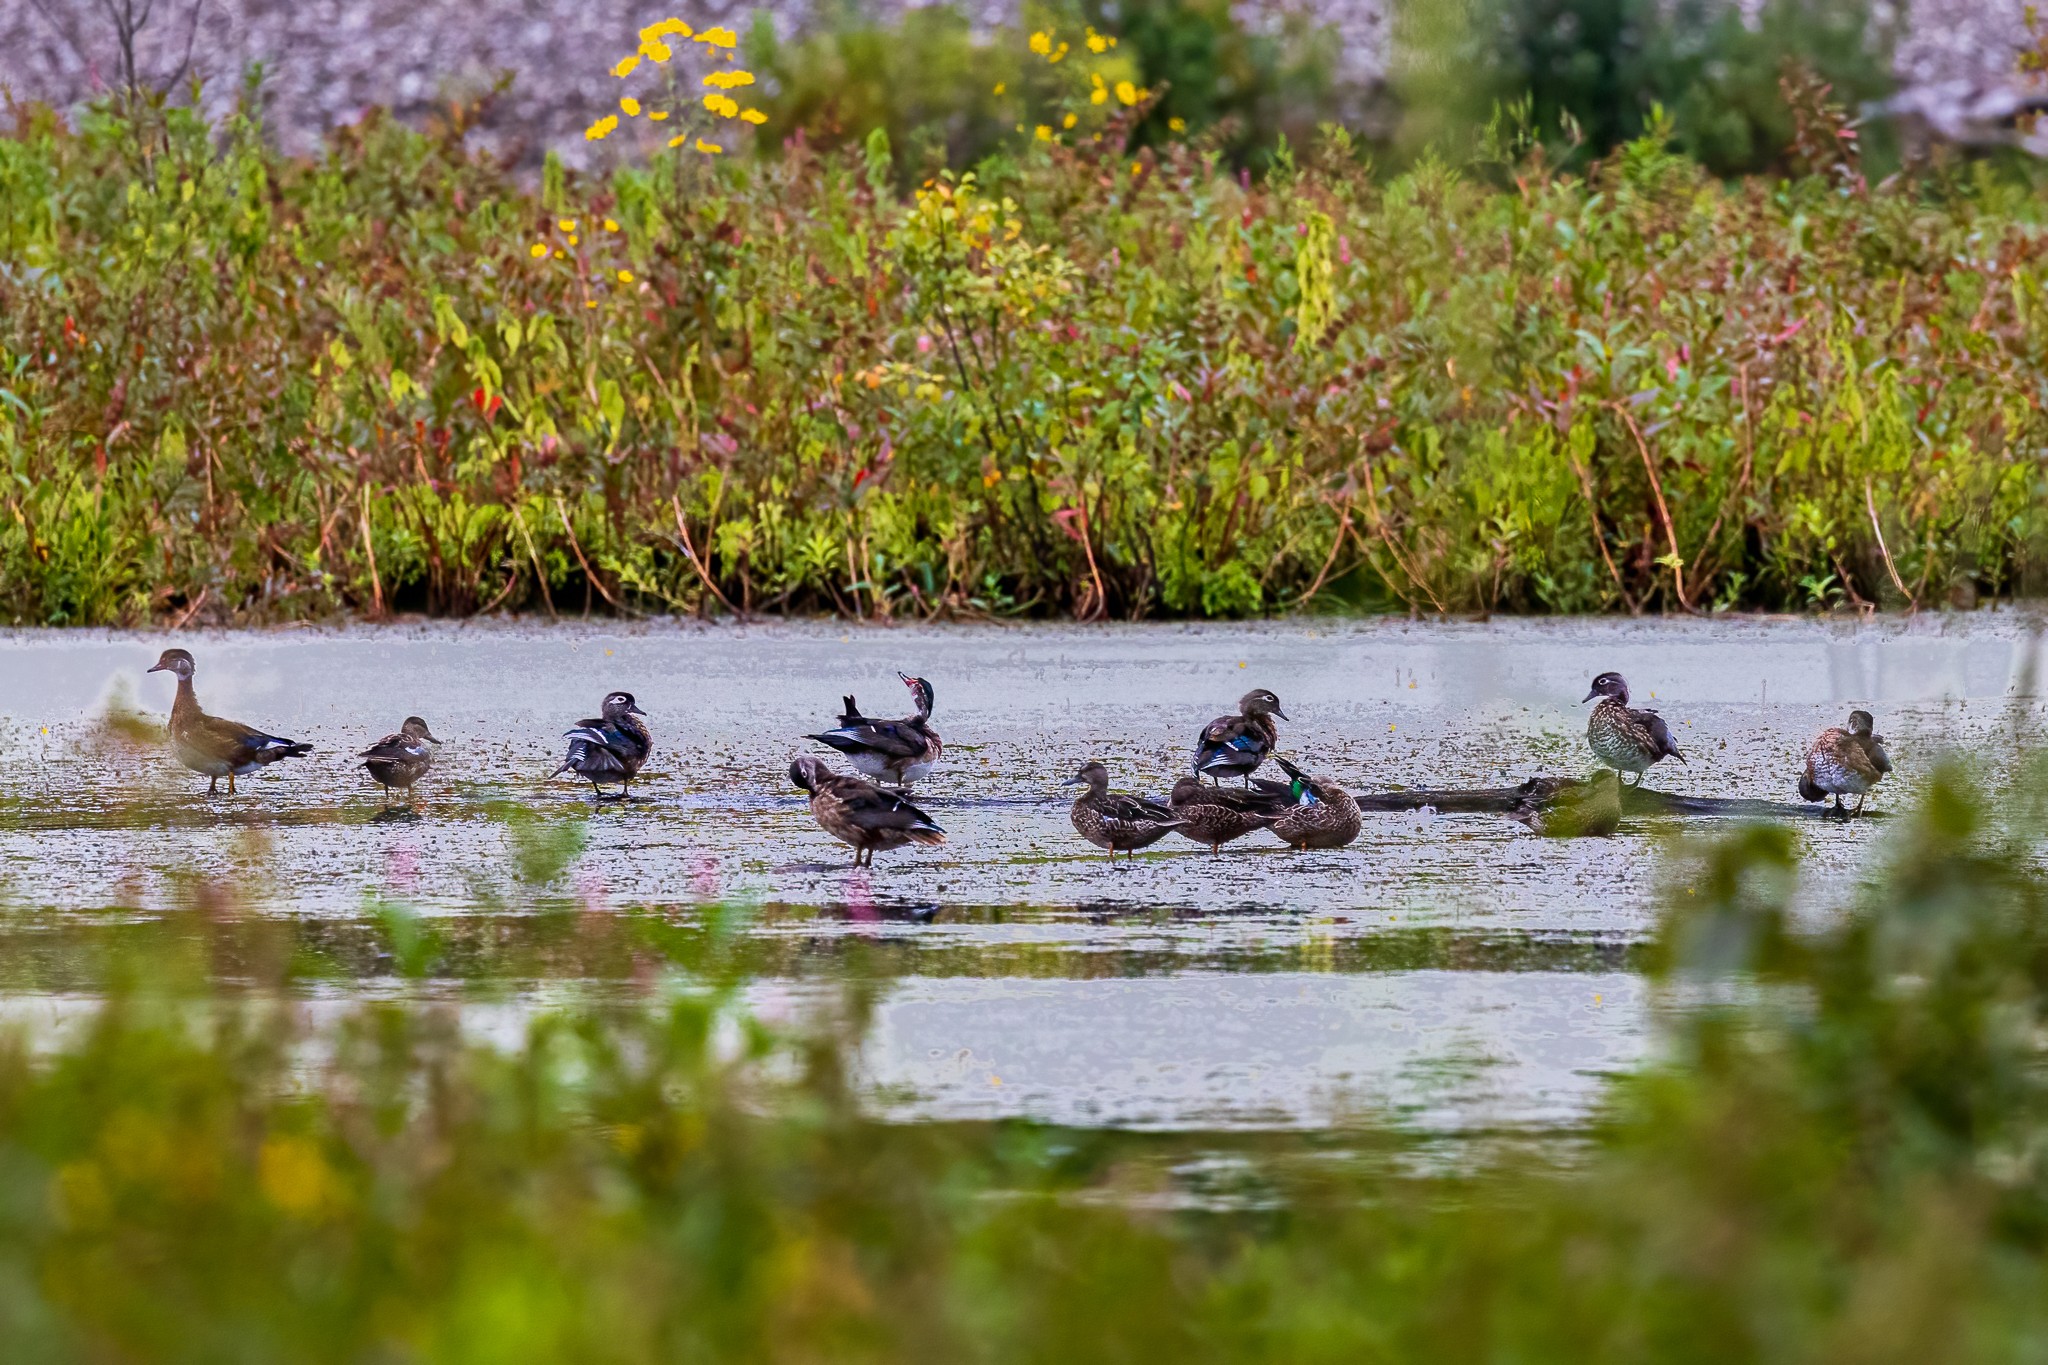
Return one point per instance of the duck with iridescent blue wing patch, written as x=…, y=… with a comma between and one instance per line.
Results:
x=1234, y=746
x=610, y=748
x=207, y=744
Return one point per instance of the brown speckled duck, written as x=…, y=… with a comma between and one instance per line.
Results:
x=1843, y=763
x=1114, y=820
x=860, y=814
x=1626, y=740
x=207, y=744
x=1216, y=815
x=398, y=761
x=1316, y=813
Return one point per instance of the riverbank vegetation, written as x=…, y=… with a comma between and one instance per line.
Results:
x=1837, y=1156
x=1100, y=373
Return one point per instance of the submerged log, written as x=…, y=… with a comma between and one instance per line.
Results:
x=1634, y=801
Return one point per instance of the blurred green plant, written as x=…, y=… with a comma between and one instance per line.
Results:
x=1836, y=1156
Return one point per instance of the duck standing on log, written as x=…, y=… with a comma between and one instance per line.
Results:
x=207, y=744
x=1114, y=820
x=1625, y=739
x=899, y=752
x=1316, y=814
x=611, y=748
x=861, y=815
x=1215, y=815
x=398, y=761
x=1234, y=746
x=1843, y=763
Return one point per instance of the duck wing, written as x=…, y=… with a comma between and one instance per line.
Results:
x=391, y=748
x=1873, y=748
x=1136, y=810
x=237, y=744
x=870, y=808
x=890, y=738
x=1230, y=742
x=1659, y=734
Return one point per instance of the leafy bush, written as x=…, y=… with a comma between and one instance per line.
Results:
x=1078, y=379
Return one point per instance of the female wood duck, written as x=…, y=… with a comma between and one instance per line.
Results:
x=1626, y=740
x=610, y=748
x=860, y=814
x=897, y=751
x=1215, y=815
x=207, y=744
x=1566, y=807
x=1843, y=763
x=400, y=760
x=1114, y=821
x=1316, y=814
x=1234, y=746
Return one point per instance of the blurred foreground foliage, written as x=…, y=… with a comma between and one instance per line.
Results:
x=1839, y=1157
x=1104, y=374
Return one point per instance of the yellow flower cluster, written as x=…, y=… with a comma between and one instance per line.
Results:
x=602, y=129
x=655, y=47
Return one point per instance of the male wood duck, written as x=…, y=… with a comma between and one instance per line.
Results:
x=1115, y=821
x=897, y=751
x=1215, y=815
x=1566, y=807
x=610, y=748
x=1234, y=746
x=399, y=760
x=1843, y=763
x=1316, y=814
x=1626, y=740
x=860, y=814
x=207, y=744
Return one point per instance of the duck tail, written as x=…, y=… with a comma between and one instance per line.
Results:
x=927, y=837
x=1809, y=790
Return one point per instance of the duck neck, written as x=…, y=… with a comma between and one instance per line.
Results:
x=185, y=705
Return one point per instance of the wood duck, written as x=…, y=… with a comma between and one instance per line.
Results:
x=1626, y=740
x=1215, y=815
x=860, y=814
x=1114, y=821
x=1843, y=763
x=897, y=751
x=1317, y=814
x=1234, y=746
x=1566, y=807
x=610, y=748
x=207, y=744
x=399, y=760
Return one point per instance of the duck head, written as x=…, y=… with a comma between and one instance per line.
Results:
x=415, y=728
x=174, y=661
x=1607, y=685
x=1260, y=702
x=920, y=693
x=1093, y=776
x=807, y=773
x=1861, y=722
x=621, y=704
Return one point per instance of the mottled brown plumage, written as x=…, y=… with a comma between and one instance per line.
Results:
x=861, y=815
x=899, y=751
x=1215, y=815
x=1234, y=746
x=1316, y=813
x=1625, y=739
x=207, y=744
x=1115, y=821
x=398, y=761
x=1843, y=763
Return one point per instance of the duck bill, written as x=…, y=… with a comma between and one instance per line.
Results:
x=156, y=668
x=1282, y=714
x=1588, y=697
x=635, y=711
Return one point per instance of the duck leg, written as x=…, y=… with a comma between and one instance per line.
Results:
x=231, y=784
x=212, y=785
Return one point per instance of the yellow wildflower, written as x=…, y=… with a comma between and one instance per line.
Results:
x=1069, y=121
x=572, y=239
x=566, y=224
x=657, y=115
x=1041, y=42
x=725, y=106
x=656, y=51
x=717, y=37
x=753, y=116
x=1098, y=96
x=626, y=67
x=625, y=277
x=1126, y=92
x=590, y=303
x=601, y=129
x=1178, y=125
x=679, y=139
x=631, y=106
x=729, y=80
x=708, y=148
x=538, y=250
x=1001, y=86
x=611, y=225
x=1097, y=43
x=1044, y=133
x=1058, y=53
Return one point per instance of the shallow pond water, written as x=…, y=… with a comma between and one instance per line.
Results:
x=1451, y=971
